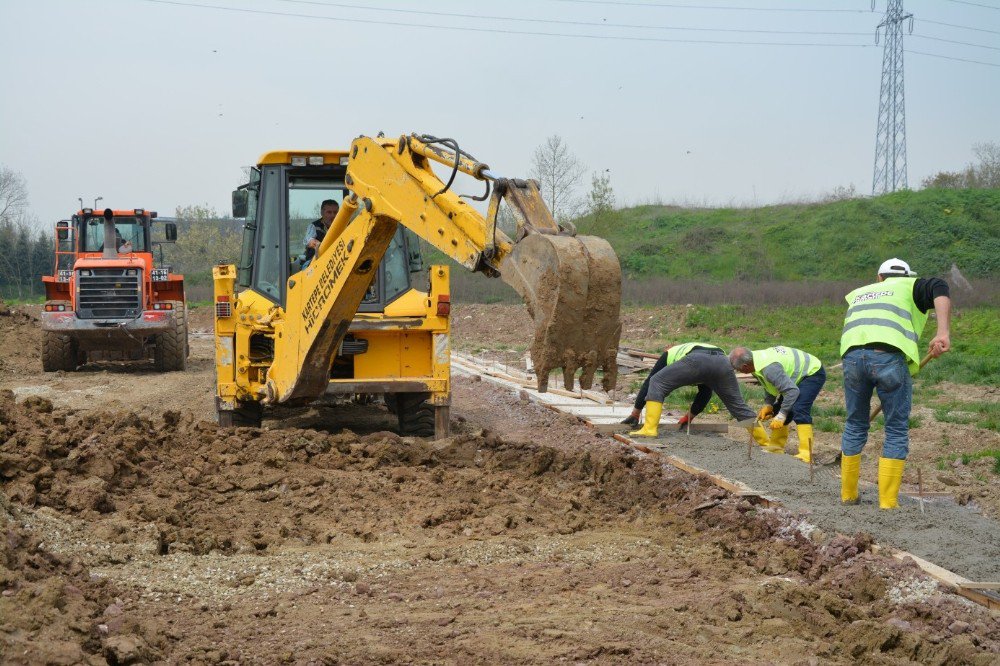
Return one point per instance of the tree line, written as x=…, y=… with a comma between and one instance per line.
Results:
x=26, y=253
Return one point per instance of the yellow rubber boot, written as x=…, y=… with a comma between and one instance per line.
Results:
x=759, y=434
x=890, y=478
x=805, y=440
x=651, y=424
x=779, y=437
x=850, y=471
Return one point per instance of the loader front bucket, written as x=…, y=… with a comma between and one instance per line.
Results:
x=571, y=286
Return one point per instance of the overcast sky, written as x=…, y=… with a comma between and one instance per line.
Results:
x=158, y=104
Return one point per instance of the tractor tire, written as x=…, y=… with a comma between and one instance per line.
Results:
x=247, y=415
x=170, y=348
x=59, y=352
x=415, y=414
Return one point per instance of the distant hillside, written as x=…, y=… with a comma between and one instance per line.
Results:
x=839, y=240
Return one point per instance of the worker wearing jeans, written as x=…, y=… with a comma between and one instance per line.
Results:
x=864, y=370
x=791, y=379
x=879, y=346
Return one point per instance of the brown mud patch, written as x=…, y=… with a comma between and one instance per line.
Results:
x=295, y=546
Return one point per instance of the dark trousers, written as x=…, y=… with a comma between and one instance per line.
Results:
x=704, y=369
x=809, y=388
x=640, y=400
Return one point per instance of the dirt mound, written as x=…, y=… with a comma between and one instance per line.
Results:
x=199, y=483
x=20, y=341
x=472, y=549
x=53, y=611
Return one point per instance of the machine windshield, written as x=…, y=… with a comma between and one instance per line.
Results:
x=130, y=234
x=306, y=195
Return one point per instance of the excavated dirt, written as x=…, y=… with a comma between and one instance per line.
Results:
x=300, y=546
x=136, y=531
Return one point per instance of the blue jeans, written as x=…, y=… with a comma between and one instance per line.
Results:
x=809, y=389
x=866, y=370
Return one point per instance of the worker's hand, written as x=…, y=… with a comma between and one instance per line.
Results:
x=683, y=421
x=765, y=412
x=313, y=243
x=778, y=422
x=939, y=345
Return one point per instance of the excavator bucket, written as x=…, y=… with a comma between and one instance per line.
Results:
x=571, y=286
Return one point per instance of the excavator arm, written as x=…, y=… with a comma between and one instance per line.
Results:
x=571, y=284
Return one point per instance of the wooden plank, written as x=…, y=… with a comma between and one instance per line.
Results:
x=980, y=586
x=698, y=428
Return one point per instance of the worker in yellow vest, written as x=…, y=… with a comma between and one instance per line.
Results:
x=791, y=379
x=694, y=364
x=879, y=345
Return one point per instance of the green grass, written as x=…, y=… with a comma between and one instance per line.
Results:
x=31, y=300
x=818, y=241
x=966, y=458
x=975, y=337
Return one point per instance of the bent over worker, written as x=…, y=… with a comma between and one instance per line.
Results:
x=791, y=379
x=694, y=364
x=879, y=345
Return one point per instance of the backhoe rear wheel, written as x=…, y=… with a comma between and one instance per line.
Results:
x=170, y=348
x=415, y=414
x=59, y=352
x=247, y=415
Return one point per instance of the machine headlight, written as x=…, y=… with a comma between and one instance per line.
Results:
x=299, y=161
x=85, y=272
x=315, y=160
x=131, y=272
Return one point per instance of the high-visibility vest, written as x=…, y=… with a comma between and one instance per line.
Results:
x=678, y=352
x=796, y=363
x=885, y=312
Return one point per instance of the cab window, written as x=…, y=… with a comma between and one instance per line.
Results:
x=129, y=230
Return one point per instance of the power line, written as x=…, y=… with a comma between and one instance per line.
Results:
x=503, y=31
x=599, y=24
x=953, y=41
x=723, y=7
x=975, y=4
x=944, y=57
x=962, y=27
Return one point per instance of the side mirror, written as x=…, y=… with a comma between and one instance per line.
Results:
x=62, y=230
x=171, y=230
x=240, y=198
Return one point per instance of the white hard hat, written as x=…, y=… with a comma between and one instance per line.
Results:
x=895, y=267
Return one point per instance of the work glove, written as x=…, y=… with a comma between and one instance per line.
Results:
x=765, y=412
x=684, y=421
x=778, y=421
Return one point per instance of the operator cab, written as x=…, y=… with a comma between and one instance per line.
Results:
x=279, y=204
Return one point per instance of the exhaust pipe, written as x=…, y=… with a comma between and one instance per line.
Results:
x=110, y=242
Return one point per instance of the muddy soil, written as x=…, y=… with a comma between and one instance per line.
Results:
x=298, y=546
x=136, y=531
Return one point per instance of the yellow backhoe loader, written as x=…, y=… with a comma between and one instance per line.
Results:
x=360, y=315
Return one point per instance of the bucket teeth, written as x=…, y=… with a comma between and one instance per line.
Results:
x=572, y=288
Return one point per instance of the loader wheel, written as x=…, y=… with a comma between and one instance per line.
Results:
x=415, y=414
x=59, y=352
x=247, y=415
x=170, y=347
